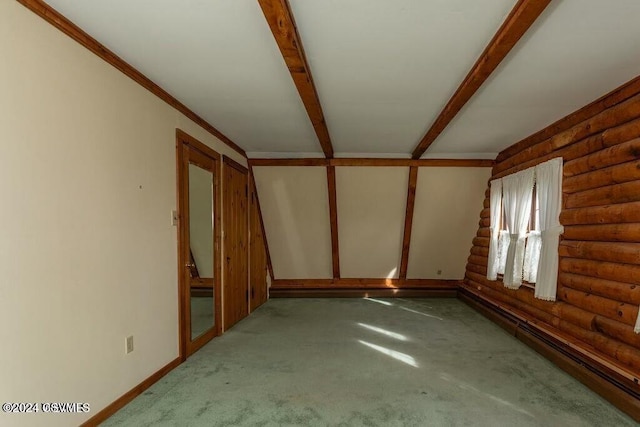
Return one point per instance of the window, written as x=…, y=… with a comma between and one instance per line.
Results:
x=532, y=244
x=525, y=228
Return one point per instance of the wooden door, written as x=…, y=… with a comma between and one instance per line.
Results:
x=198, y=243
x=258, y=266
x=235, y=242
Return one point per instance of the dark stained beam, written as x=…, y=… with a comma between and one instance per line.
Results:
x=280, y=19
x=408, y=221
x=523, y=15
x=333, y=219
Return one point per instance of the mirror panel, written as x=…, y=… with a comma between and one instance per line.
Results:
x=201, y=311
x=201, y=214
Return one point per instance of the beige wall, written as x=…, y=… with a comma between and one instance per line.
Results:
x=295, y=210
x=371, y=212
x=371, y=209
x=87, y=250
x=445, y=220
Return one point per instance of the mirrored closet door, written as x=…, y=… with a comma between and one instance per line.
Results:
x=199, y=243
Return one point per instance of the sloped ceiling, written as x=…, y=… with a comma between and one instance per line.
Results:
x=383, y=69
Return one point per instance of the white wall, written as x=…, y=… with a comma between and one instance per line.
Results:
x=371, y=209
x=445, y=220
x=295, y=210
x=87, y=251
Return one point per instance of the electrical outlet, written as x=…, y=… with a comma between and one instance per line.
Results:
x=129, y=344
x=439, y=272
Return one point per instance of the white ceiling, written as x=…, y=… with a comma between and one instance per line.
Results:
x=383, y=69
x=218, y=57
x=577, y=51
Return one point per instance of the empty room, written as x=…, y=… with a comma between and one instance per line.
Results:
x=320, y=213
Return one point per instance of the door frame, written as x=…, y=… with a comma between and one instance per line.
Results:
x=185, y=143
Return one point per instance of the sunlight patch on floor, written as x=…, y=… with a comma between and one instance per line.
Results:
x=402, y=357
x=378, y=301
x=420, y=313
x=383, y=331
x=468, y=387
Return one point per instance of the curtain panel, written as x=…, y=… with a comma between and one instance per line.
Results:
x=517, y=192
x=495, y=208
x=549, y=189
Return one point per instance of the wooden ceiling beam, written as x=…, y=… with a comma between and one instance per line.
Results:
x=522, y=16
x=280, y=19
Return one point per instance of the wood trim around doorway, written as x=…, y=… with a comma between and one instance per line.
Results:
x=186, y=142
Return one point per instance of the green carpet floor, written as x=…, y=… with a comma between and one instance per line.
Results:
x=359, y=362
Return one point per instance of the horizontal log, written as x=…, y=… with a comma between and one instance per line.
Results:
x=625, y=273
x=620, y=311
x=626, y=354
x=580, y=149
x=559, y=310
x=477, y=259
x=604, y=232
x=622, y=133
x=612, y=117
x=480, y=250
x=538, y=314
x=485, y=213
x=481, y=241
x=608, y=214
x=486, y=203
x=611, y=194
x=479, y=269
x=621, y=153
x=617, y=330
x=623, y=353
x=586, y=333
x=627, y=253
x=484, y=232
x=574, y=151
x=616, y=174
x=617, y=291
x=484, y=222
x=605, y=102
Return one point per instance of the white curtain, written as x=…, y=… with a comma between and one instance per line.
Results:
x=517, y=190
x=549, y=188
x=532, y=256
x=495, y=209
x=503, y=246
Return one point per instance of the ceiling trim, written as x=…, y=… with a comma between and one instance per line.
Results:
x=484, y=163
x=342, y=155
x=520, y=19
x=282, y=24
x=56, y=19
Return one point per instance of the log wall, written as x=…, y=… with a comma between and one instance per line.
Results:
x=599, y=270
